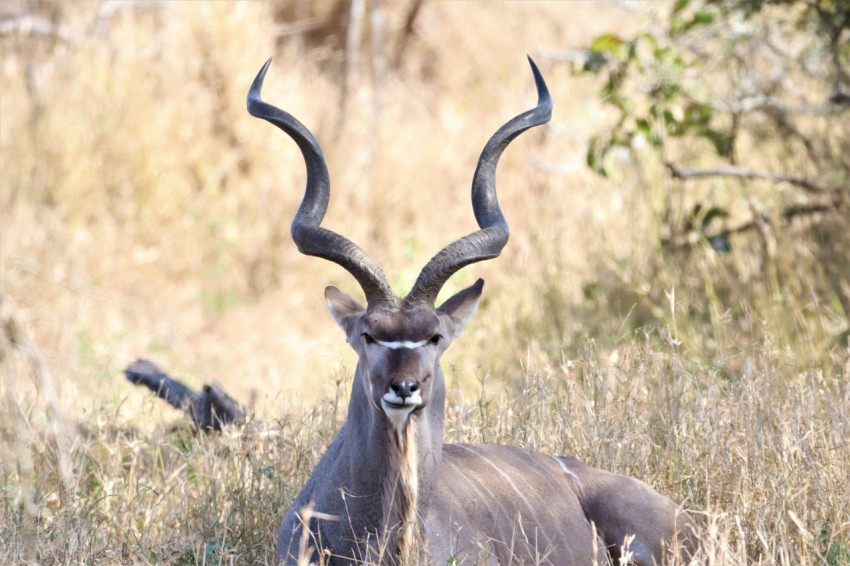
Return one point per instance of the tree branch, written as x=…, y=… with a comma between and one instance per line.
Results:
x=407, y=31
x=787, y=214
x=742, y=173
x=33, y=26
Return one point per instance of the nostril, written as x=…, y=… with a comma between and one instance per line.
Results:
x=404, y=388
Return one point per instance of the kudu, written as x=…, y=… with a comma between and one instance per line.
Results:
x=388, y=490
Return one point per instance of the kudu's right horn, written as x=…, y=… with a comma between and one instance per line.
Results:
x=307, y=233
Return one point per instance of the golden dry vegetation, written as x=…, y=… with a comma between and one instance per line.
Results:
x=143, y=212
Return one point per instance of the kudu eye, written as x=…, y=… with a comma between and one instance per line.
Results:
x=435, y=339
x=368, y=339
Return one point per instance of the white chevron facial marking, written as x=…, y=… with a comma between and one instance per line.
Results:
x=402, y=344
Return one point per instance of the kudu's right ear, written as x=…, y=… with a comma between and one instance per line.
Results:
x=342, y=307
x=461, y=305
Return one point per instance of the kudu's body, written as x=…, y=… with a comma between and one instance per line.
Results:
x=388, y=490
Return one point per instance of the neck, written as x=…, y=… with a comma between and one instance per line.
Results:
x=392, y=471
x=400, y=500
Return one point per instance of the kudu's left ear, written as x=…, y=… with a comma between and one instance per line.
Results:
x=461, y=305
x=342, y=306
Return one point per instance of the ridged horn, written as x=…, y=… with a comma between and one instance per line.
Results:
x=307, y=233
x=487, y=242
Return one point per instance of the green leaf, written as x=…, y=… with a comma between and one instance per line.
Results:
x=697, y=208
x=704, y=17
x=698, y=114
x=721, y=141
x=594, y=62
x=711, y=214
x=838, y=553
x=596, y=154
x=701, y=18
x=680, y=5
x=608, y=43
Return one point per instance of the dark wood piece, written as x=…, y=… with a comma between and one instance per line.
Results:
x=210, y=409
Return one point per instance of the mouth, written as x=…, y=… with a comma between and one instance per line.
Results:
x=398, y=409
x=391, y=400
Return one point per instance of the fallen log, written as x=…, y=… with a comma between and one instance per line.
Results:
x=210, y=410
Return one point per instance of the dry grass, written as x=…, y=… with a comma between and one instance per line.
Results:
x=143, y=212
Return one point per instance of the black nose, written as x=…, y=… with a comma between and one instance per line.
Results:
x=404, y=388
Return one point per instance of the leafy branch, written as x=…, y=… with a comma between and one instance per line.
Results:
x=743, y=90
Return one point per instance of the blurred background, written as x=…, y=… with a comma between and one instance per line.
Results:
x=673, y=302
x=692, y=185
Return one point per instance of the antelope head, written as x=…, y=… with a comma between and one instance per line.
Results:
x=398, y=340
x=399, y=347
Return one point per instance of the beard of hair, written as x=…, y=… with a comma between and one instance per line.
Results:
x=401, y=497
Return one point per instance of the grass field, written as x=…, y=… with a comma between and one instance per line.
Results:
x=143, y=212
